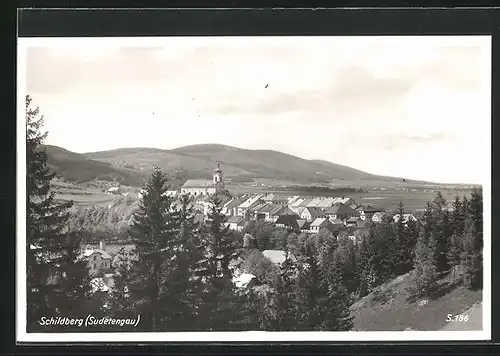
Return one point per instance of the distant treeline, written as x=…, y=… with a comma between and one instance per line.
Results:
x=317, y=189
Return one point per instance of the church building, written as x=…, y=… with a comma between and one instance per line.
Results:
x=205, y=187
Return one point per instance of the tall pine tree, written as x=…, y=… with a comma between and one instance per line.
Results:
x=57, y=281
x=471, y=261
x=425, y=264
x=403, y=243
x=440, y=231
x=184, y=278
x=336, y=302
x=155, y=235
x=476, y=212
x=218, y=310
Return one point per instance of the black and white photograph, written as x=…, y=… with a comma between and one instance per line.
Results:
x=293, y=188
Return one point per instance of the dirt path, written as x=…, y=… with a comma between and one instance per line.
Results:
x=475, y=321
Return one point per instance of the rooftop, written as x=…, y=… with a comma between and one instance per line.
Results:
x=250, y=201
x=318, y=222
x=339, y=208
x=243, y=280
x=198, y=183
x=314, y=211
x=90, y=252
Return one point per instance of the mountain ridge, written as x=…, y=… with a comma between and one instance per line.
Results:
x=133, y=164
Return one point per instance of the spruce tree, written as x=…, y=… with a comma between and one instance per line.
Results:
x=476, y=208
x=428, y=223
x=362, y=268
x=368, y=270
x=440, y=231
x=155, y=234
x=57, y=281
x=285, y=304
x=119, y=302
x=188, y=255
x=454, y=254
x=310, y=279
x=346, y=255
x=425, y=264
x=304, y=299
x=457, y=217
x=403, y=243
x=219, y=310
x=385, y=250
x=471, y=263
x=335, y=305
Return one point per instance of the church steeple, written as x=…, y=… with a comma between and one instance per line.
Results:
x=218, y=178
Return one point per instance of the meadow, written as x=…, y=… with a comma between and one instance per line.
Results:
x=86, y=194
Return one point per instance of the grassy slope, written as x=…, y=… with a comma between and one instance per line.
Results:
x=201, y=160
x=78, y=168
x=387, y=309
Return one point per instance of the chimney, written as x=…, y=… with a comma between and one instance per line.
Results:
x=101, y=244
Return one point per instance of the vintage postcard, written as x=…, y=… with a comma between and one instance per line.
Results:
x=254, y=189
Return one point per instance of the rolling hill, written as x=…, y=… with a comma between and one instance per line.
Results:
x=78, y=168
x=199, y=161
x=130, y=166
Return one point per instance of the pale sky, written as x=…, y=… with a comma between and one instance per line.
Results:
x=415, y=107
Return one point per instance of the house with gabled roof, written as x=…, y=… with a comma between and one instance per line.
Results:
x=98, y=260
x=232, y=223
x=339, y=211
x=304, y=226
x=379, y=216
x=253, y=210
x=266, y=211
x=352, y=221
x=310, y=214
x=277, y=210
x=301, y=223
x=248, y=204
x=231, y=207
x=319, y=224
x=288, y=221
x=366, y=212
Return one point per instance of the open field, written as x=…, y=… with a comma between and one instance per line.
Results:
x=388, y=308
x=87, y=194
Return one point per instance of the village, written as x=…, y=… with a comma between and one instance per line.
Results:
x=341, y=216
